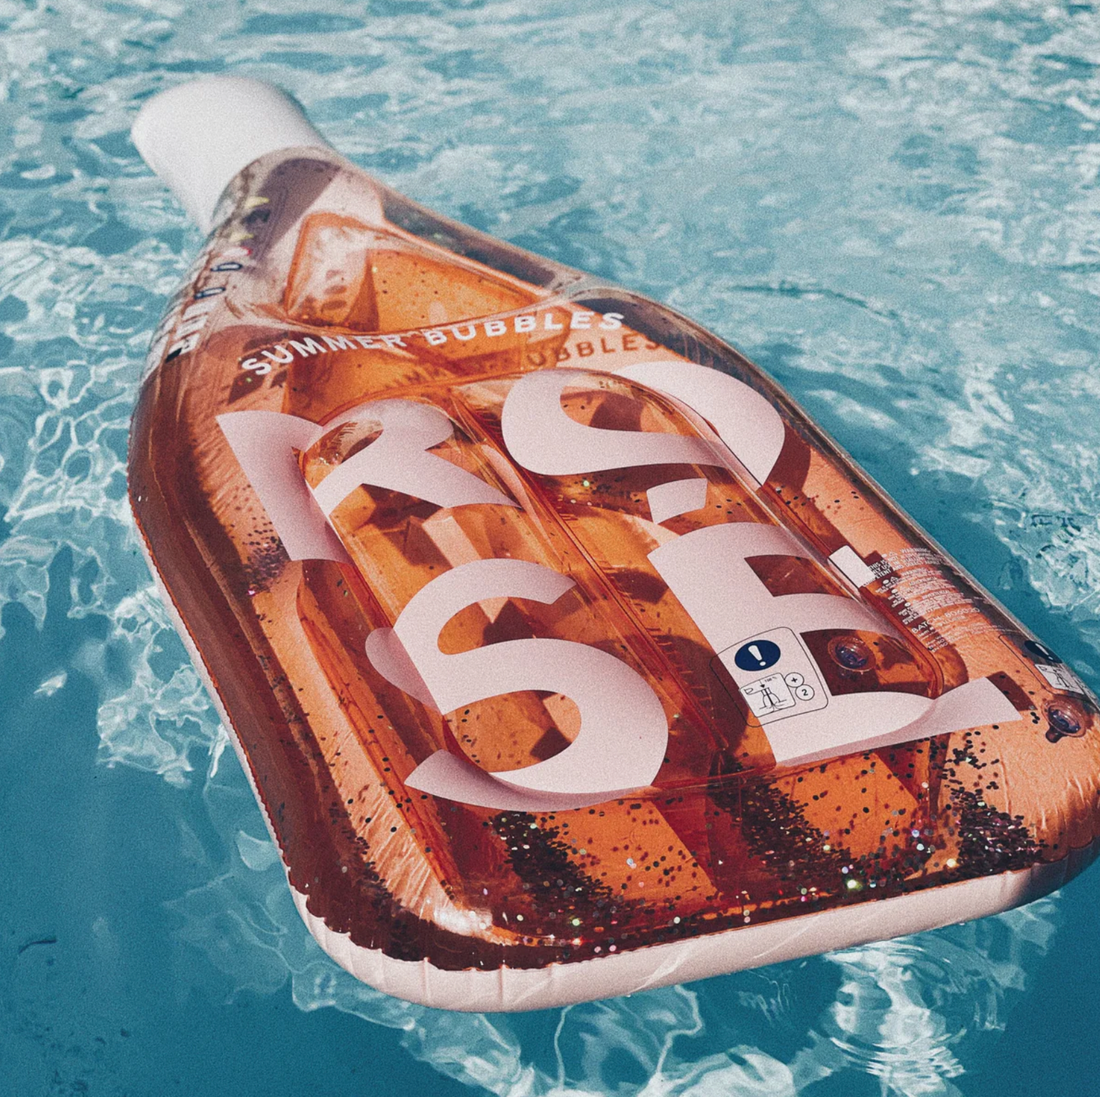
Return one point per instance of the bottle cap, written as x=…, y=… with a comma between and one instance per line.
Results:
x=197, y=136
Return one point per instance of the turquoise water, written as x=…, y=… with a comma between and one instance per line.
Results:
x=892, y=207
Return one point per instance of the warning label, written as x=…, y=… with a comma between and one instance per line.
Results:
x=932, y=600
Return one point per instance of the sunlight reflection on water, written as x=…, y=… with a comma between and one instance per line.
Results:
x=892, y=209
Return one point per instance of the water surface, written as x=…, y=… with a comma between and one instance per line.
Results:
x=892, y=207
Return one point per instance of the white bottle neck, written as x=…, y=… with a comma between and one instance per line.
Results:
x=199, y=135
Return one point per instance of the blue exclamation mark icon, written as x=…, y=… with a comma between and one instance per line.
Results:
x=757, y=655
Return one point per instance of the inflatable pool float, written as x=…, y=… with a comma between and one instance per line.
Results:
x=566, y=656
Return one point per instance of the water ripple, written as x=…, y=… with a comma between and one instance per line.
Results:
x=892, y=208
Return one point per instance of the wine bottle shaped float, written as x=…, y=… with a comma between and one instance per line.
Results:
x=566, y=656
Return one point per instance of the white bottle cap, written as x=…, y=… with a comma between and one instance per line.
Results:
x=197, y=136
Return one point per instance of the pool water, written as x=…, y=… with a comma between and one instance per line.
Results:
x=892, y=208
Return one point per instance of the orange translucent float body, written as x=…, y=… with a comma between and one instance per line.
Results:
x=565, y=655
